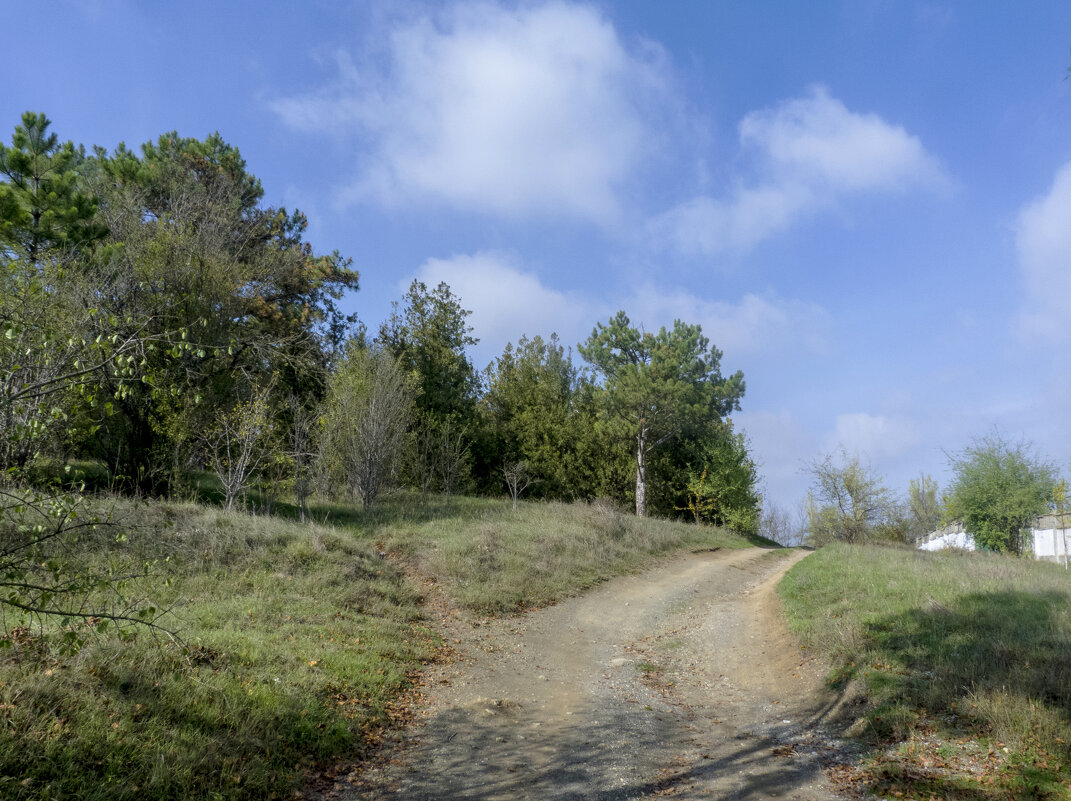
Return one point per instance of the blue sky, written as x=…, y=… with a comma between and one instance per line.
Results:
x=865, y=204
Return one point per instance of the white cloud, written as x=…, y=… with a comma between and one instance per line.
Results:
x=875, y=438
x=755, y=325
x=816, y=139
x=706, y=226
x=1044, y=244
x=507, y=111
x=809, y=152
x=507, y=302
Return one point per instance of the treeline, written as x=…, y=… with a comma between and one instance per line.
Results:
x=997, y=488
x=157, y=320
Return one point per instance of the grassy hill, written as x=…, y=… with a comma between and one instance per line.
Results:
x=297, y=640
x=964, y=661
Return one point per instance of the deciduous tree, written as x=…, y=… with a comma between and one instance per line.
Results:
x=367, y=411
x=997, y=489
x=847, y=502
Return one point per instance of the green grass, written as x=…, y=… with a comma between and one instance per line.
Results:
x=491, y=558
x=956, y=653
x=299, y=639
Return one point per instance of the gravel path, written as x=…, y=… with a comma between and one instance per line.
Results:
x=680, y=682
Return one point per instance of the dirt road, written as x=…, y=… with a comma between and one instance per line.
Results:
x=680, y=682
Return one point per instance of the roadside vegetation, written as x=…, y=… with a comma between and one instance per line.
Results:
x=291, y=645
x=294, y=643
x=493, y=558
x=963, y=661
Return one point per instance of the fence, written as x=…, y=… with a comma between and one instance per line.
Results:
x=1046, y=539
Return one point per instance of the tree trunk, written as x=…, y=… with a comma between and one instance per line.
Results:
x=641, y=472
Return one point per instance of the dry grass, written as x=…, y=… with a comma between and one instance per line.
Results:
x=493, y=558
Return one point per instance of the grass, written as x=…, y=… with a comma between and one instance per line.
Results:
x=492, y=558
x=299, y=639
x=964, y=661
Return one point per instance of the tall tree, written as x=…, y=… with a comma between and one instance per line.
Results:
x=43, y=206
x=428, y=333
x=193, y=249
x=659, y=386
x=51, y=344
x=536, y=411
x=923, y=506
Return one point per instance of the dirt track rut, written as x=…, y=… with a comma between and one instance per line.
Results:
x=680, y=682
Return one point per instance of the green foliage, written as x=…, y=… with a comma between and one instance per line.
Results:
x=658, y=386
x=47, y=473
x=43, y=209
x=848, y=503
x=428, y=335
x=366, y=414
x=970, y=649
x=191, y=249
x=997, y=489
x=924, y=507
x=537, y=408
x=721, y=482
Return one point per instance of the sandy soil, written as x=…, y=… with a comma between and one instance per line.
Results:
x=680, y=682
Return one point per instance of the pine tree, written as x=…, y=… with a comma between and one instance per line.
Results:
x=41, y=206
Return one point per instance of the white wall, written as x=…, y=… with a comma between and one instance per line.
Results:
x=1051, y=543
x=949, y=539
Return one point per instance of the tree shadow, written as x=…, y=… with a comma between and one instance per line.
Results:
x=1009, y=642
x=482, y=757
x=989, y=664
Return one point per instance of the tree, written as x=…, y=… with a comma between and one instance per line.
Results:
x=190, y=247
x=43, y=208
x=366, y=414
x=659, y=386
x=923, y=506
x=721, y=481
x=237, y=445
x=779, y=525
x=997, y=489
x=848, y=503
x=301, y=453
x=51, y=344
x=428, y=337
x=58, y=351
x=536, y=410
x=517, y=479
